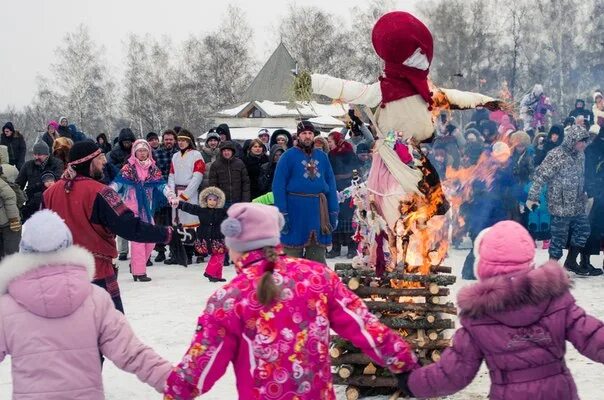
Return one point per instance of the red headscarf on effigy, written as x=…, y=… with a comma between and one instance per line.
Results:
x=406, y=46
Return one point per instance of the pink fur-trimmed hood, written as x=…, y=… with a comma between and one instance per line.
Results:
x=512, y=292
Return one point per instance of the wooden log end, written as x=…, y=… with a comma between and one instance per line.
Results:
x=352, y=393
x=354, y=284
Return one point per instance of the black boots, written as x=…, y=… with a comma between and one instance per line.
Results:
x=352, y=252
x=212, y=279
x=161, y=256
x=123, y=257
x=149, y=263
x=141, y=278
x=335, y=251
x=585, y=264
x=571, y=262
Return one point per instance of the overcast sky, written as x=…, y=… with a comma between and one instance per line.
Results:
x=31, y=30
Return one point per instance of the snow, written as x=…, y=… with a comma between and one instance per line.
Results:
x=232, y=112
x=274, y=109
x=326, y=121
x=164, y=312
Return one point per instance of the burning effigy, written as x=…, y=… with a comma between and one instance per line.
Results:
x=400, y=208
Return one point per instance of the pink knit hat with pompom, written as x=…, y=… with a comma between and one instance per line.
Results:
x=504, y=248
x=252, y=226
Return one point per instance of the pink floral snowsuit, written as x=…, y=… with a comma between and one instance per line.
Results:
x=280, y=352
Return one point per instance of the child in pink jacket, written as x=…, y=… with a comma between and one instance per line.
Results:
x=517, y=319
x=274, y=319
x=54, y=322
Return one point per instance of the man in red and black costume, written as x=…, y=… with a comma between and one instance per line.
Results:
x=95, y=213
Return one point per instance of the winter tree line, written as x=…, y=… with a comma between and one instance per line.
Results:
x=480, y=45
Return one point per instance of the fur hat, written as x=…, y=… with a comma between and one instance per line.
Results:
x=45, y=232
x=252, y=226
x=504, y=248
x=213, y=136
x=304, y=126
x=212, y=191
x=520, y=138
x=597, y=94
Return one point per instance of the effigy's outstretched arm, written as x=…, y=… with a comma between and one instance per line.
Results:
x=347, y=91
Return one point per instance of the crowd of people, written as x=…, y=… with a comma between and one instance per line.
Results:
x=103, y=201
x=543, y=173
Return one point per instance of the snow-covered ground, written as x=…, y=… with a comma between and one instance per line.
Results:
x=164, y=312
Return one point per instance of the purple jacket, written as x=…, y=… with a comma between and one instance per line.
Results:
x=518, y=324
x=54, y=323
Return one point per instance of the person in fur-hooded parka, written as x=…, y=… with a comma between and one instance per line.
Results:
x=209, y=238
x=517, y=318
x=54, y=323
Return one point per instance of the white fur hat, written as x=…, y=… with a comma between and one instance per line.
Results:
x=597, y=94
x=45, y=232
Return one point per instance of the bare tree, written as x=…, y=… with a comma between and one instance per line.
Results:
x=82, y=81
x=147, y=99
x=311, y=35
x=366, y=66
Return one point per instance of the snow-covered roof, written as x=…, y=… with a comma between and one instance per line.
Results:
x=249, y=133
x=276, y=109
x=232, y=112
x=326, y=121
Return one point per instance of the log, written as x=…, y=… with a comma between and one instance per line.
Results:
x=370, y=369
x=345, y=371
x=434, y=268
x=379, y=306
x=432, y=335
x=433, y=288
x=352, y=393
x=353, y=284
x=441, y=269
x=431, y=344
x=400, y=323
x=440, y=280
x=343, y=347
x=395, y=395
x=367, y=381
x=365, y=291
x=435, y=355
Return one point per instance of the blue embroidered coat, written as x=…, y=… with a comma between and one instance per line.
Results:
x=298, y=172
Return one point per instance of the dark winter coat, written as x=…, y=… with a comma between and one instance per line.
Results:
x=47, y=138
x=563, y=170
x=253, y=164
x=231, y=177
x=479, y=115
x=118, y=156
x=16, y=148
x=210, y=218
x=518, y=324
x=549, y=145
x=451, y=146
x=31, y=175
x=587, y=114
x=267, y=170
x=106, y=146
x=343, y=164
x=594, y=186
x=522, y=169
x=224, y=129
x=489, y=205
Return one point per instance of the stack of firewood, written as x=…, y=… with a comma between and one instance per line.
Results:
x=414, y=305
